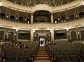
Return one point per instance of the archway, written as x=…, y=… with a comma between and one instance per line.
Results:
x=42, y=16
x=42, y=35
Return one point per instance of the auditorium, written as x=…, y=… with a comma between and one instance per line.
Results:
x=41, y=30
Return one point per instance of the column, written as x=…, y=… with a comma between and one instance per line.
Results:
x=80, y=34
x=77, y=33
x=31, y=17
x=9, y=16
x=7, y=34
x=70, y=35
x=16, y=35
x=32, y=35
x=4, y=35
x=52, y=35
x=51, y=17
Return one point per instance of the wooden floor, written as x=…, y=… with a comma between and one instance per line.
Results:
x=42, y=55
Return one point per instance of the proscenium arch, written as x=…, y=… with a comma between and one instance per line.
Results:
x=42, y=16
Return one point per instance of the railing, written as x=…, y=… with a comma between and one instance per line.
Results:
x=68, y=6
x=64, y=7
x=22, y=26
x=16, y=7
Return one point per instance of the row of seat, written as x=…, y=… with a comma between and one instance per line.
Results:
x=66, y=52
x=19, y=52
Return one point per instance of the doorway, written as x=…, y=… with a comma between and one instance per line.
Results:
x=42, y=41
x=42, y=37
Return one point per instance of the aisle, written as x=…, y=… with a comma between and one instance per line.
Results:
x=42, y=55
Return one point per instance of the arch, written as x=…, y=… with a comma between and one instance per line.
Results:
x=42, y=16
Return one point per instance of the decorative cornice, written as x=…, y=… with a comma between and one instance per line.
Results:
x=27, y=9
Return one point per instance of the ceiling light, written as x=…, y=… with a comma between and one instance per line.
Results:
x=16, y=28
x=16, y=18
x=28, y=21
x=67, y=17
x=67, y=28
x=83, y=3
x=55, y=21
x=58, y=19
x=7, y=16
x=25, y=19
x=15, y=2
x=76, y=15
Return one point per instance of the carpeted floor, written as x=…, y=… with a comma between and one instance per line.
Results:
x=42, y=55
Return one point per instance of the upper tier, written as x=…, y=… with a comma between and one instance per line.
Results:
x=35, y=2
x=32, y=9
x=44, y=26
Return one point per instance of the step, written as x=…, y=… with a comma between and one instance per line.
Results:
x=42, y=55
x=42, y=52
x=42, y=61
x=43, y=49
x=42, y=58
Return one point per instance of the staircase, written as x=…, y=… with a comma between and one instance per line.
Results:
x=42, y=55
